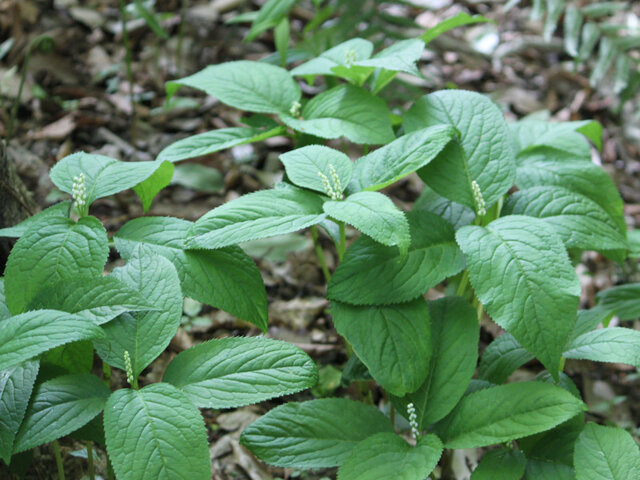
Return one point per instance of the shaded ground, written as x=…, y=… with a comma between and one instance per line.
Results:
x=77, y=98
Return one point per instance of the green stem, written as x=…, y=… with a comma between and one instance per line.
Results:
x=127, y=47
x=462, y=286
x=56, y=453
x=342, y=246
x=92, y=472
x=320, y=253
x=110, y=474
x=106, y=374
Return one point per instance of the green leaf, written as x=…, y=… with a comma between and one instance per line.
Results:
x=47, y=254
x=245, y=85
x=386, y=455
x=506, y=412
x=606, y=453
x=375, y=215
x=16, y=384
x=308, y=166
x=501, y=358
x=523, y=277
x=163, y=428
x=455, y=213
x=282, y=35
x=548, y=470
x=572, y=25
x=454, y=338
x=607, y=52
x=579, y=221
x=590, y=36
x=399, y=57
x=555, y=8
x=232, y=372
x=100, y=299
x=345, y=111
x=225, y=278
x=29, y=334
x=269, y=16
x=59, y=406
x=530, y=134
x=145, y=335
x=450, y=23
x=482, y=153
x=58, y=210
x=209, y=142
x=394, y=342
x=76, y=357
x=500, y=464
x=199, y=178
x=624, y=300
x=149, y=188
x=316, y=434
x=4, y=310
x=345, y=54
x=104, y=176
x=256, y=215
x=615, y=345
x=150, y=19
x=590, y=319
x=432, y=257
x=399, y=158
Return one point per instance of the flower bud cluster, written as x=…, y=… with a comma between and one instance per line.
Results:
x=350, y=57
x=79, y=191
x=333, y=188
x=481, y=208
x=294, y=111
x=413, y=421
x=128, y=367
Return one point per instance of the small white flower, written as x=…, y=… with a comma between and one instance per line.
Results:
x=350, y=57
x=413, y=421
x=334, y=191
x=79, y=191
x=128, y=367
x=481, y=208
x=294, y=111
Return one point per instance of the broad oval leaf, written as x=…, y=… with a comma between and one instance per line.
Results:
x=24, y=336
x=60, y=250
x=375, y=215
x=506, y=412
x=615, y=345
x=59, y=406
x=225, y=278
x=386, y=455
x=454, y=338
x=246, y=85
x=58, y=210
x=394, y=341
x=345, y=111
x=403, y=156
x=104, y=176
x=606, y=453
x=581, y=223
x=315, y=434
x=163, y=428
x=145, y=335
x=521, y=273
x=623, y=300
x=482, y=153
x=455, y=213
x=16, y=384
x=100, y=299
x=232, y=372
x=344, y=54
x=501, y=358
x=432, y=257
x=256, y=215
x=500, y=464
x=311, y=167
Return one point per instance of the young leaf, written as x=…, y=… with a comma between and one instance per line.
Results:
x=432, y=257
x=506, y=412
x=500, y=464
x=150, y=19
x=396, y=160
x=59, y=406
x=58, y=210
x=311, y=167
x=624, y=300
x=225, y=278
x=615, y=345
x=144, y=335
x=454, y=338
x=268, y=16
x=606, y=453
x=501, y=358
x=149, y=188
x=522, y=275
x=60, y=250
x=315, y=434
x=163, y=428
x=530, y=134
x=399, y=57
x=588, y=320
x=375, y=215
x=232, y=372
x=24, y=336
x=100, y=299
x=104, y=176
x=256, y=215
x=450, y=23
x=386, y=455
x=345, y=111
x=579, y=221
x=16, y=384
x=482, y=153
x=455, y=213
x=245, y=85
x=344, y=54
x=394, y=342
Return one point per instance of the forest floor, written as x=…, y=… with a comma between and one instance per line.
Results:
x=77, y=98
